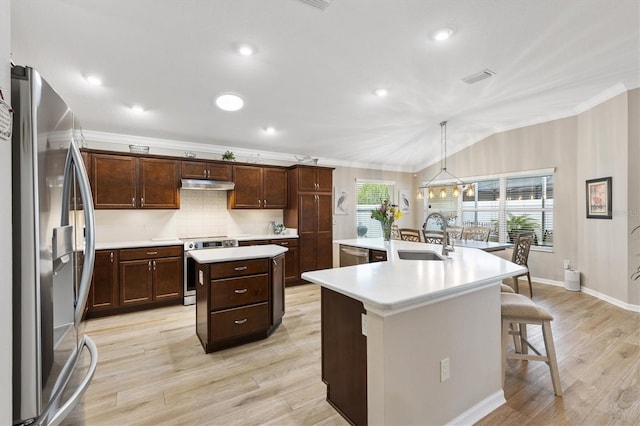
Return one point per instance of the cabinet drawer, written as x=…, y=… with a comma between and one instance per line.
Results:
x=232, y=292
x=150, y=252
x=377, y=256
x=238, y=322
x=239, y=268
x=288, y=242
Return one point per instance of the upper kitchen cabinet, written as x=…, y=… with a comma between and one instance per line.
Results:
x=132, y=182
x=258, y=188
x=314, y=179
x=206, y=170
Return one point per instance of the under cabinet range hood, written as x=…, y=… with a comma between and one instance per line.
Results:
x=211, y=185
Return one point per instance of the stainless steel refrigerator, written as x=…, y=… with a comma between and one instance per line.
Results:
x=53, y=254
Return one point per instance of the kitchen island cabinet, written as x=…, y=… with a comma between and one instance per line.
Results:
x=401, y=319
x=239, y=294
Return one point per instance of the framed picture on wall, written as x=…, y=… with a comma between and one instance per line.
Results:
x=341, y=205
x=404, y=201
x=599, y=198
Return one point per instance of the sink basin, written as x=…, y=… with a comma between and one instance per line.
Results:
x=419, y=255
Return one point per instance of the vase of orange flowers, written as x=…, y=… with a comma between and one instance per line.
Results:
x=386, y=214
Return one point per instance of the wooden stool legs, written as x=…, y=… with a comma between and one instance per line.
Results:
x=522, y=351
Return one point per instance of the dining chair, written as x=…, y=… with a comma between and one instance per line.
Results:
x=454, y=232
x=408, y=234
x=478, y=233
x=432, y=236
x=521, y=248
x=395, y=232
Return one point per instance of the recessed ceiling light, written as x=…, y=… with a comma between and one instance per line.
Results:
x=137, y=108
x=442, y=34
x=381, y=92
x=93, y=80
x=229, y=102
x=246, y=50
x=270, y=130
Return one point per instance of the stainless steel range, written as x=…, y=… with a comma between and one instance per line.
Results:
x=189, y=269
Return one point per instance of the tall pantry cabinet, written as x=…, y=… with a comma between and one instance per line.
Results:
x=310, y=211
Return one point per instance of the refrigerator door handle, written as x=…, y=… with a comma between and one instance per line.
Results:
x=90, y=232
x=66, y=408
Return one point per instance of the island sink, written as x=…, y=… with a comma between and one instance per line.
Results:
x=419, y=255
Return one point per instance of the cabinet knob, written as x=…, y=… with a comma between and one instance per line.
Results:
x=151, y=253
x=240, y=268
x=149, y=263
x=111, y=257
x=154, y=265
x=264, y=203
x=284, y=243
x=240, y=290
x=133, y=201
x=142, y=201
x=240, y=322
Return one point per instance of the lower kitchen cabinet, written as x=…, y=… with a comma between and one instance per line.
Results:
x=126, y=280
x=291, y=261
x=238, y=301
x=103, y=294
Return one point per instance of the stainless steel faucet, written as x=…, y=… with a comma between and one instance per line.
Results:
x=445, y=248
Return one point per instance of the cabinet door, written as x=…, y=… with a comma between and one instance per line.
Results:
x=307, y=252
x=291, y=265
x=248, y=191
x=167, y=278
x=307, y=179
x=136, y=282
x=104, y=284
x=114, y=181
x=277, y=289
x=159, y=184
x=307, y=213
x=324, y=179
x=194, y=170
x=217, y=171
x=274, y=188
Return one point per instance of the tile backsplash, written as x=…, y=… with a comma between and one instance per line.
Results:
x=201, y=213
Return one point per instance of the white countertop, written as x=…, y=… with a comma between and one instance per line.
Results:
x=236, y=253
x=140, y=243
x=398, y=285
x=247, y=237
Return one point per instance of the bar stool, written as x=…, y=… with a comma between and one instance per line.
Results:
x=520, y=310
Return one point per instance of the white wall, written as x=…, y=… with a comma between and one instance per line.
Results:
x=634, y=196
x=345, y=178
x=5, y=226
x=602, y=244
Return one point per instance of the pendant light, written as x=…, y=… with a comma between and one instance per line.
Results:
x=443, y=169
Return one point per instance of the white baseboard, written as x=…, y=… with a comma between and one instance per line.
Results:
x=480, y=410
x=591, y=292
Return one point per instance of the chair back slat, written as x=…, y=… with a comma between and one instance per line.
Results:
x=408, y=234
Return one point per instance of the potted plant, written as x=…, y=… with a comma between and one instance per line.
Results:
x=228, y=156
x=520, y=223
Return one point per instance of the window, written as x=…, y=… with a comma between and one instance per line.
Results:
x=370, y=196
x=511, y=204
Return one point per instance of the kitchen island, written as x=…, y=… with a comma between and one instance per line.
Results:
x=239, y=294
x=431, y=354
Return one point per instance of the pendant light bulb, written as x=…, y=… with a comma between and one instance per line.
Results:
x=419, y=195
x=456, y=191
x=443, y=192
x=470, y=192
x=431, y=194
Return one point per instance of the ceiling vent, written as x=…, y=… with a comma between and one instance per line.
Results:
x=318, y=4
x=474, y=78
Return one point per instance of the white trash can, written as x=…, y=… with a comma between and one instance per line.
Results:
x=572, y=280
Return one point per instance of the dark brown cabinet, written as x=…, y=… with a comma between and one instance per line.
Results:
x=206, y=170
x=291, y=274
x=310, y=211
x=152, y=274
x=258, y=188
x=131, y=182
x=238, y=301
x=103, y=294
x=377, y=256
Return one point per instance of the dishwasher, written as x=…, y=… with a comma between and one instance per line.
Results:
x=353, y=255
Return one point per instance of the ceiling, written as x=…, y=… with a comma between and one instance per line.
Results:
x=315, y=71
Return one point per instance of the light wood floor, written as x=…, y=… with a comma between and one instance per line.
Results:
x=152, y=370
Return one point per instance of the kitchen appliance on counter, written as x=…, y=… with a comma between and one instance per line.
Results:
x=52, y=265
x=189, y=264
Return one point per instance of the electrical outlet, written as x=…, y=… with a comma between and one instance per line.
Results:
x=444, y=370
